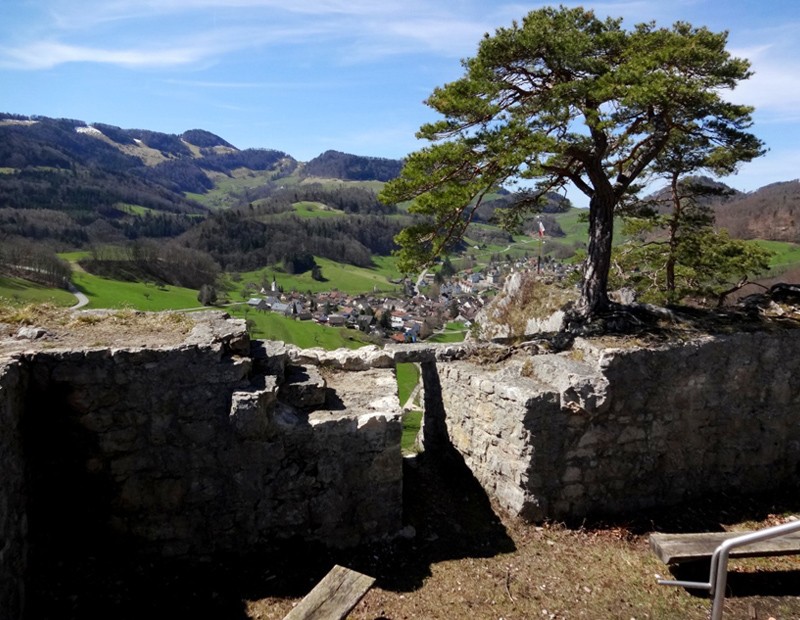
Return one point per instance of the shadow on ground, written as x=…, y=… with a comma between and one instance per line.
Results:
x=449, y=512
x=773, y=577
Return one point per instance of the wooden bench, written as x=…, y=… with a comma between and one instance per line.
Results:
x=678, y=548
x=334, y=597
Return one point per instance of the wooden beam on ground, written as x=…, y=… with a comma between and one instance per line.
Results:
x=677, y=548
x=333, y=597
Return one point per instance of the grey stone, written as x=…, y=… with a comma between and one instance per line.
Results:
x=30, y=332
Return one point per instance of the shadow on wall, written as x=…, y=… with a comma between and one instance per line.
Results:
x=79, y=569
x=448, y=510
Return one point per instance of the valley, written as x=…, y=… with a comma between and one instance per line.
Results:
x=145, y=221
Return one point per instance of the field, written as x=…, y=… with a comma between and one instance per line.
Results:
x=452, y=332
x=104, y=293
x=785, y=255
x=336, y=276
x=17, y=291
x=315, y=209
x=304, y=334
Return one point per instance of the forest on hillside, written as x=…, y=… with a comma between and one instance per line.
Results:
x=68, y=185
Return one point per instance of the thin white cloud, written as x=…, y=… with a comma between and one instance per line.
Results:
x=48, y=54
x=89, y=13
x=360, y=29
x=156, y=51
x=221, y=85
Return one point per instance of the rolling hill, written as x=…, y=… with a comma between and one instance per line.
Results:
x=195, y=197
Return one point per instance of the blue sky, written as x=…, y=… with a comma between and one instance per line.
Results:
x=305, y=76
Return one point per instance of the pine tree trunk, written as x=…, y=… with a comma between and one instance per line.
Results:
x=594, y=288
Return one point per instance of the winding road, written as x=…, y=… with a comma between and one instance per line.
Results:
x=82, y=299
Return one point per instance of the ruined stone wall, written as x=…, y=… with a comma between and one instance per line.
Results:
x=190, y=450
x=182, y=451
x=598, y=430
x=215, y=445
x=13, y=516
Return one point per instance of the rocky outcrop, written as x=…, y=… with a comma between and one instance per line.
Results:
x=528, y=304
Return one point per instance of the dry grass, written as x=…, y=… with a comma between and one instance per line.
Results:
x=65, y=328
x=536, y=298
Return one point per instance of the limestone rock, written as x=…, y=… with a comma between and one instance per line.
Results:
x=304, y=387
x=30, y=332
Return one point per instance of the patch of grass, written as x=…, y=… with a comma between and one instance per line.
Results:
x=454, y=331
x=315, y=209
x=105, y=293
x=134, y=209
x=337, y=276
x=407, y=378
x=17, y=291
x=74, y=257
x=784, y=255
x=304, y=334
x=412, y=421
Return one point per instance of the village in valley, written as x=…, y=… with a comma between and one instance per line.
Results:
x=422, y=309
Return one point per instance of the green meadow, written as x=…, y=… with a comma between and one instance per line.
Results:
x=304, y=334
x=315, y=209
x=784, y=255
x=336, y=276
x=17, y=291
x=105, y=293
x=452, y=332
x=407, y=379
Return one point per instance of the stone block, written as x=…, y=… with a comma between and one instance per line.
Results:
x=304, y=387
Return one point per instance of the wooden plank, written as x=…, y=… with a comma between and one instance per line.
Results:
x=333, y=597
x=676, y=548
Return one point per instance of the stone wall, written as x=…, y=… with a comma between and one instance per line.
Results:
x=192, y=455
x=188, y=451
x=222, y=445
x=13, y=516
x=600, y=430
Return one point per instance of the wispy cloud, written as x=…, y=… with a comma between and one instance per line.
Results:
x=45, y=55
x=287, y=85
x=180, y=32
x=90, y=13
x=155, y=49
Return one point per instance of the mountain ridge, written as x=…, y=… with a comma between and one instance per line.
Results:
x=106, y=177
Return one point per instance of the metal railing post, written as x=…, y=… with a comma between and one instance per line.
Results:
x=718, y=574
x=720, y=560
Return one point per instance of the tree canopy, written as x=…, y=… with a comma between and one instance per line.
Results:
x=675, y=252
x=560, y=98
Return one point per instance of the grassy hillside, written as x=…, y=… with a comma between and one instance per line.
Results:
x=785, y=255
x=17, y=291
x=105, y=293
x=337, y=276
x=305, y=334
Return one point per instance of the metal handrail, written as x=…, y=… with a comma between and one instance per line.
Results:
x=718, y=575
